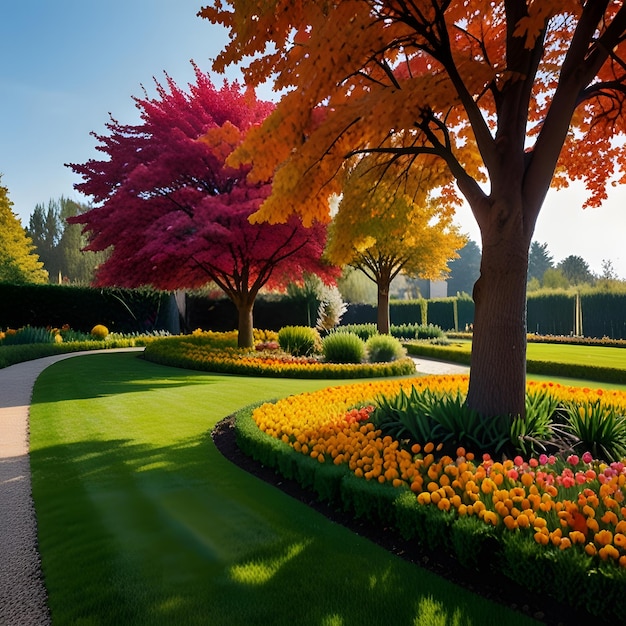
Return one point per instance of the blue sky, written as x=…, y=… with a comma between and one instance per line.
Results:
x=65, y=64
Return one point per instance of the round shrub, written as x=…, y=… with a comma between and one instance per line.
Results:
x=100, y=331
x=383, y=349
x=298, y=340
x=340, y=347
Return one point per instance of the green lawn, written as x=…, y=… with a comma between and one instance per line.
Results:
x=603, y=356
x=142, y=521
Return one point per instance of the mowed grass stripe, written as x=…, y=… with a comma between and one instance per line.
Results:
x=142, y=521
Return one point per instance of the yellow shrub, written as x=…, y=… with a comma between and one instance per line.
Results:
x=99, y=331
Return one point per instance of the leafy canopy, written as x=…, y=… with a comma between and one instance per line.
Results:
x=498, y=90
x=174, y=214
x=511, y=96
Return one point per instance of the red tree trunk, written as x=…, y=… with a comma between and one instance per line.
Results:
x=498, y=363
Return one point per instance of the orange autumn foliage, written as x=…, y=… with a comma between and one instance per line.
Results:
x=511, y=97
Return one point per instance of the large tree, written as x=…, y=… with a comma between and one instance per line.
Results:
x=383, y=230
x=19, y=263
x=176, y=216
x=510, y=95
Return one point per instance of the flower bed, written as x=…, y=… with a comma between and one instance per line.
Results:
x=218, y=352
x=565, y=518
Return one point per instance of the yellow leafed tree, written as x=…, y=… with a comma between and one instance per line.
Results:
x=18, y=262
x=385, y=227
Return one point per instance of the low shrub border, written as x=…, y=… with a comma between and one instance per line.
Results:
x=10, y=355
x=533, y=545
x=211, y=352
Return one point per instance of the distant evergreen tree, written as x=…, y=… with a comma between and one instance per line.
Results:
x=60, y=244
x=465, y=270
x=539, y=260
x=45, y=229
x=18, y=261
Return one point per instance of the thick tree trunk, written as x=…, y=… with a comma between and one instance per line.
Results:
x=498, y=363
x=245, y=337
x=382, y=315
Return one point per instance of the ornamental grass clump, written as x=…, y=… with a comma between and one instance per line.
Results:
x=597, y=427
x=28, y=335
x=341, y=347
x=299, y=340
x=429, y=331
x=426, y=415
x=383, y=348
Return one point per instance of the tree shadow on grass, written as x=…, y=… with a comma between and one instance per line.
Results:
x=113, y=374
x=140, y=534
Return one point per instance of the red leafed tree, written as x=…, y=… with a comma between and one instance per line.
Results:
x=512, y=95
x=174, y=215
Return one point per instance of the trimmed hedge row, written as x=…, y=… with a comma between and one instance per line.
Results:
x=448, y=313
x=120, y=310
x=470, y=541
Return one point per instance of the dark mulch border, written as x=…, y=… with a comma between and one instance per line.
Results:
x=492, y=586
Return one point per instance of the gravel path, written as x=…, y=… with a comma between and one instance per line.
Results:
x=23, y=597
x=431, y=366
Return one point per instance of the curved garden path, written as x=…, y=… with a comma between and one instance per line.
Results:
x=23, y=597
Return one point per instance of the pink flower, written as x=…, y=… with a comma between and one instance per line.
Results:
x=518, y=460
x=512, y=474
x=587, y=457
x=573, y=459
x=543, y=459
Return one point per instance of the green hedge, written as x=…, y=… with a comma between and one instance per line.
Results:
x=442, y=312
x=551, y=313
x=408, y=312
x=271, y=312
x=604, y=314
x=120, y=310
